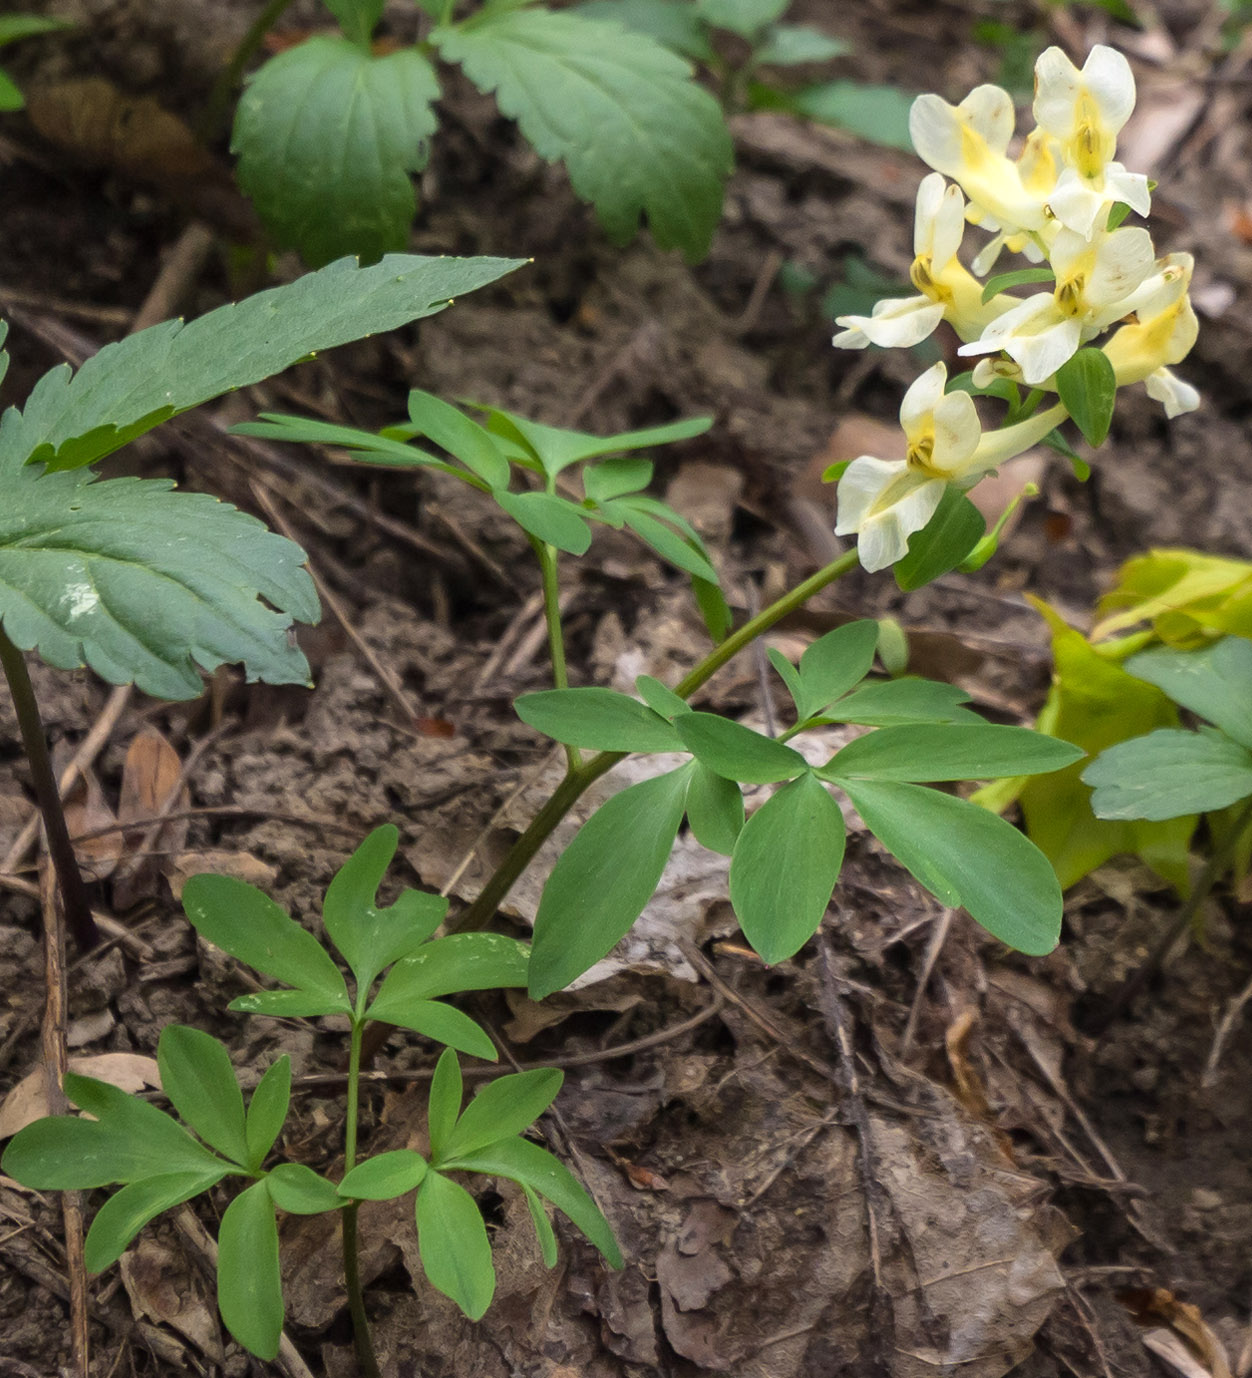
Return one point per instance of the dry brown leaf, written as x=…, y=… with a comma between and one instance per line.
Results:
x=85, y=811
x=239, y=865
x=28, y=1100
x=1177, y=1332
x=151, y=784
x=163, y=1287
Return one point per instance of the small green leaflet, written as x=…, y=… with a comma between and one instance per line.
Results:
x=939, y=547
x=788, y=45
x=882, y=703
x=737, y=752
x=249, y=1284
x=357, y=17
x=1003, y=281
x=949, y=751
x=145, y=584
x=744, y=17
x=548, y=518
x=72, y=419
x=599, y=719
x=1214, y=682
x=327, y=135
x=879, y=114
x=1087, y=386
x=1169, y=774
x=384, y=1176
x=455, y=1250
x=126, y=1212
x=714, y=810
x=471, y=443
x=674, y=23
x=620, y=111
x=197, y=1076
x=554, y=449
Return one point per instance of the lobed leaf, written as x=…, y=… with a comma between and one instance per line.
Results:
x=197, y=1076
x=834, y=663
x=503, y=1107
x=1214, y=682
x=1169, y=774
x=457, y=962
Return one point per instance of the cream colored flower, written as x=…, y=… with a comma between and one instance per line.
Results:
x=1162, y=333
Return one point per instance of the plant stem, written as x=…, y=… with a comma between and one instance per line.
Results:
x=547, y=557
x=230, y=77
x=48, y=797
x=577, y=779
x=351, y=1259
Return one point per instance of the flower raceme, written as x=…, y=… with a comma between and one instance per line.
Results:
x=1058, y=202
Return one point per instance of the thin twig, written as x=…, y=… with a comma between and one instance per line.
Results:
x=1229, y=1021
x=938, y=935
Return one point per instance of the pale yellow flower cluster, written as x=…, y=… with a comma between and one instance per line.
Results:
x=1057, y=203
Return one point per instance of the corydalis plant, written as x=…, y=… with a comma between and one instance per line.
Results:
x=1060, y=204
x=161, y=1163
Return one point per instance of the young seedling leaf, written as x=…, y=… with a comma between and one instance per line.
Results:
x=615, y=477
x=371, y=938
x=385, y=1176
x=456, y=1253
x=1087, y=385
x=947, y=538
x=243, y=921
x=374, y=449
x=249, y=1284
x=949, y=751
x=785, y=866
x=441, y=1024
x=884, y=703
x=1168, y=774
x=543, y=1226
x=683, y=552
x=298, y=1189
x=714, y=810
x=636, y=133
x=737, y=752
x=520, y=1161
x=457, y=962
x=713, y=608
x=554, y=449
x=267, y=1111
x=72, y=419
x=834, y=663
x=660, y=699
x=443, y=1102
x=288, y=1004
x=603, y=879
x=197, y=1076
x=327, y=136
x=548, y=518
x=600, y=719
x=966, y=856
x=127, y=1211
x=145, y=584
x=503, y=1107
x=1214, y=682
x=745, y=17
x=790, y=45
x=471, y=443
x=790, y=677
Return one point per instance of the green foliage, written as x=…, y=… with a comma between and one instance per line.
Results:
x=13, y=28
x=943, y=543
x=1087, y=386
x=785, y=859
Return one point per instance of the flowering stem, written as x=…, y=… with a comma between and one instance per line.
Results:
x=578, y=778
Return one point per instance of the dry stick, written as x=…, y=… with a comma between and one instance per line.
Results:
x=1230, y=1019
x=56, y=1064
x=938, y=936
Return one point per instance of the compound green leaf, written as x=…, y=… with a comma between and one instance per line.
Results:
x=503, y=1107
x=949, y=751
x=520, y=1161
x=456, y=1253
x=249, y=1284
x=554, y=449
x=648, y=520
x=603, y=879
x=548, y=518
x=471, y=443
x=714, y=810
x=267, y=1111
x=126, y=1212
x=443, y=1101
x=327, y=136
x=457, y=962
x=784, y=867
x=242, y=920
x=197, y=1076
x=385, y=1176
x=365, y=445
x=145, y=584
x=834, y=663
x=600, y=719
x=440, y=1023
x=884, y=703
x=737, y=752
x=1087, y=385
x=966, y=856
x=1168, y=774
x=1214, y=682
x=298, y=1189
x=72, y=419
x=624, y=115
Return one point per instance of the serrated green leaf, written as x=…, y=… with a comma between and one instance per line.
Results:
x=660, y=699
x=548, y=518
x=197, y=1076
x=1214, y=682
x=879, y=114
x=503, y=1107
x=785, y=866
x=675, y=23
x=966, y=856
x=245, y=922
x=440, y=1023
x=372, y=938
x=1001, y=282
x=947, y=538
x=73, y=419
x=613, y=477
x=737, y=752
x=714, y=810
x=249, y=1284
x=145, y=584
x=620, y=111
x=295, y=1188
x=600, y=719
x=834, y=663
x=949, y=751
x=1169, y=774
x=443, y=1101
x=385, y=1176
x=788, y=45
x=885, y=703
x=267, y=1111
x=127, y=1211
x=455, y=1250
x=520, y=1161
x=327, y=136
x=1087, y=385
x=471, y=443
x=603, y=879
x=744, y=17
